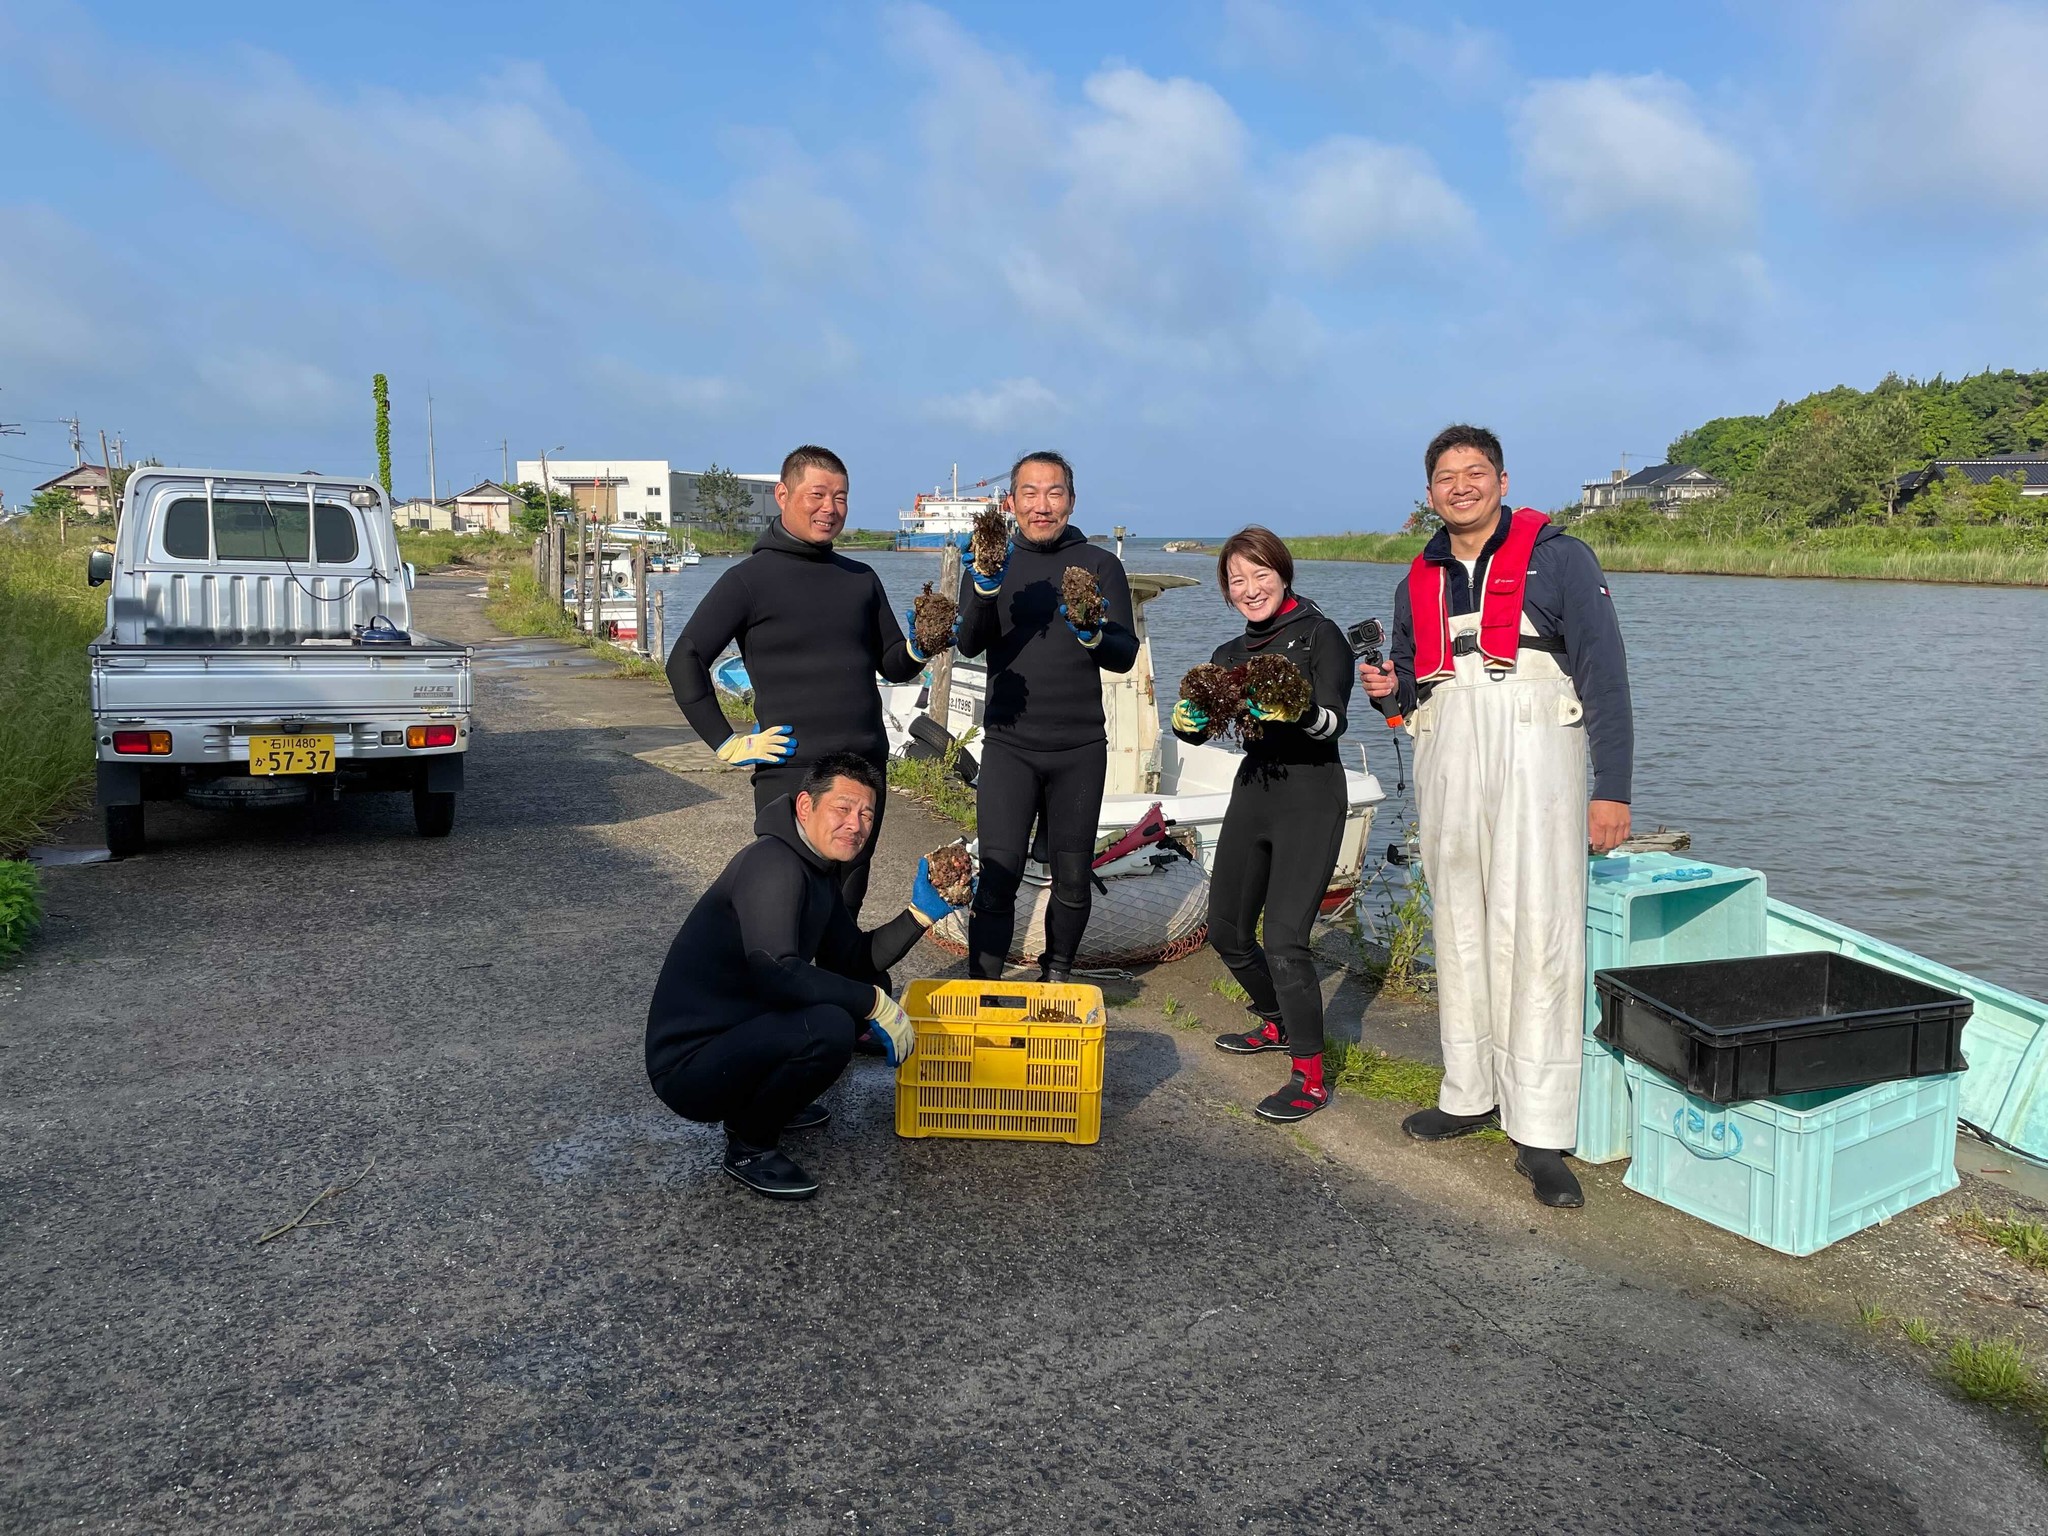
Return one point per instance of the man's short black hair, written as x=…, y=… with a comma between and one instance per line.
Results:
x=811, y=456
x=840, y=765
x=1462, y=436
x=1045, y=456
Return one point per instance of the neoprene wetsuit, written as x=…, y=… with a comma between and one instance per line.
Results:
x=766, y=985
x=813, y=628
x=1281, y=833
x=1046, y=753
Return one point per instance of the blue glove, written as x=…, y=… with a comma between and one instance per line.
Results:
x=925, y=899
x=759, y=749
x=910, y=635
x=987, y=585
x=1089, y=638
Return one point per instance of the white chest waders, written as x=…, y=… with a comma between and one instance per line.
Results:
x=1500, y=789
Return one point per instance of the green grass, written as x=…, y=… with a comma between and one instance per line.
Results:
x=1994, y=1371
x=941, y=791
x=1871, y=1315
x=1230, y=991
x=427, y=550
x=2026, y=1241
x=1394, y=1079
x=1177, y=1014
x=1387, y=548
x=1918, y=1331
x=711, y=542
x=47, y=617
x=21, y=906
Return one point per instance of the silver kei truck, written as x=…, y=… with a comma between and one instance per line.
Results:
x=259, y=652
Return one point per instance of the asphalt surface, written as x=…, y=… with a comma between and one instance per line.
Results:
x=544, y=1308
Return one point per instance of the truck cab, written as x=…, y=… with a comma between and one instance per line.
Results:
x=259, y=652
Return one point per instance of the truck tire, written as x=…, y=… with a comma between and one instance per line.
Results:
x=433, y=812
x=124, y=830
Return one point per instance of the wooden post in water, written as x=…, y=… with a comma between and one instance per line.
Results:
x=940, y=708
x=640, y=597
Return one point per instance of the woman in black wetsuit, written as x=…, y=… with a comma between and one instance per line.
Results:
x=1286, y=817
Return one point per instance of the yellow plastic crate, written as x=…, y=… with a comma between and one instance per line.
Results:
x=986, y=1068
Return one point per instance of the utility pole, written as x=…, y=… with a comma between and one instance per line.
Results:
x=505, y=451
x=433, y=485
x=77, y=442
x=107, y=469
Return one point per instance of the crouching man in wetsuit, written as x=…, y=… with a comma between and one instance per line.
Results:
x=769, y=980
x=1507, y=661
x=813, y=628
x=1047, y=754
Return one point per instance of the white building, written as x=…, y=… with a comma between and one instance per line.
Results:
x=645, y=491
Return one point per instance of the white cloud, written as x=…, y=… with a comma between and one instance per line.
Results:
x=1463, y=61
x=256, y=380
x=1607, y=153
x=1940, y=102
x=1348, y=195
x=1008, y=405
x=1154, y=145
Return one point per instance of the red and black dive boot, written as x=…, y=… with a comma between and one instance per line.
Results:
x=1266, y=1035
x=1304, y=1094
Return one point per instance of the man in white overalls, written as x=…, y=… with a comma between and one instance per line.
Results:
x=1507, y=662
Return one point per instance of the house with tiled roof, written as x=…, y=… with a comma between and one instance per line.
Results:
x=2031, y=469
x=1665, y=487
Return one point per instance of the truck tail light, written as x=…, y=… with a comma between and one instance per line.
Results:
x=424, y=736
x=142, y=743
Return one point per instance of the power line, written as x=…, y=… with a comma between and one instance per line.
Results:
x=39, y=463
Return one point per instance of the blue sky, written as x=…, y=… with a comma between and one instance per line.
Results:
x=1239, y=259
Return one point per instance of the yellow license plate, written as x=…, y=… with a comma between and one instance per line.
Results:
x=291, y=754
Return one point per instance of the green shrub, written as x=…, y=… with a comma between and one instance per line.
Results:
x=48, y=615
x=21, y=906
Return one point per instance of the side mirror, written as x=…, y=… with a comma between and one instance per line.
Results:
x=411, y=576
x=99, y=567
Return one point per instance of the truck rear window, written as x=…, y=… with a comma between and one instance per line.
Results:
x=245, y=529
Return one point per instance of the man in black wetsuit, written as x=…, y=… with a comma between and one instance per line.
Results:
x=1046, y=753
x=813, y=628
x=764, y=987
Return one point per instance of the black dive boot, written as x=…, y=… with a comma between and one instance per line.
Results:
x=1266, y=1035
x=809, y=1118
x=1435, y=1125
x=1556, y=1185
x=766, y=1171
x=1050, y=970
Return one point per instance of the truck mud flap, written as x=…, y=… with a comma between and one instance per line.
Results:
x=118, y=784
x=443, y=774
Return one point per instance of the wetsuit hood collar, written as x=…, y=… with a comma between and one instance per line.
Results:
x=780, y=539
x=777, y=819
x=1068, y=535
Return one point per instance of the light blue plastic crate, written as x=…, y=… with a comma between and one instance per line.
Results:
x=1799, y=1172
x=2005, y=1091
x=1652, y=909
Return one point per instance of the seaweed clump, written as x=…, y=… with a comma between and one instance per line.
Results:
x=990, y=540
x=931, y=620
x=1218, y=692
x=1082, y=597
x=1274, y=683
x=952, y=872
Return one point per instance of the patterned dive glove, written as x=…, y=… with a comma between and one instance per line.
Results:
x=759, y=749
x=892, y=1027
x=989, y=583
x=1089, y=638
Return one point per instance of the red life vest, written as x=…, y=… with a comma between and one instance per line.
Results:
x=1500, y=606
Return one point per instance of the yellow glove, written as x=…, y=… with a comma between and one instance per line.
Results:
x=1190, y=717
x=893, y=1028
x=759, y=749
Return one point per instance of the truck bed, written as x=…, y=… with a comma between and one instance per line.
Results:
x=273, y=682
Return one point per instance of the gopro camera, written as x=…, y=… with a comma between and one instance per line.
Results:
x=1366, y=637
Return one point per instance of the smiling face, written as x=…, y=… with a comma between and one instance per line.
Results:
x=839, y=821
x=1255, y=590
x=1465, y=490
x=815, y=508
x=1041, y=500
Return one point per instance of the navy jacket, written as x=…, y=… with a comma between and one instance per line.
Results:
x=1566, y=596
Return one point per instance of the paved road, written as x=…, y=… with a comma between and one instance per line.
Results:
x=544, y=1309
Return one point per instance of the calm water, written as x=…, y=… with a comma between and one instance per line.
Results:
x=1879, y=749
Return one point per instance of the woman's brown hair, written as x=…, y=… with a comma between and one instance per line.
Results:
x=1261, y=546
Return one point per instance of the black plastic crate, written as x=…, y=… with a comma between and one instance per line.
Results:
x=1765, y=1025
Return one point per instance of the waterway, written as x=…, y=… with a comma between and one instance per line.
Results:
x=1878, y=749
